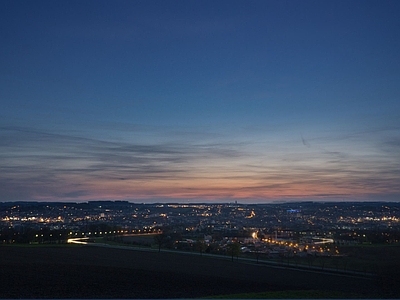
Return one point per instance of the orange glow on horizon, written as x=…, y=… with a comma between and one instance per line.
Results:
x=214, y=189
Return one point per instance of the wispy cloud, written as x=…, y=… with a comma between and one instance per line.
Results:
x=30, y=158
x=38, y=164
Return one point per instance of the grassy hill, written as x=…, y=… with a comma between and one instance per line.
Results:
x=97, y=272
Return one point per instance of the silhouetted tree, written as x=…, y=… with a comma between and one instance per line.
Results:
x=234, y=249
x=257, y=252
x=200, y=246
x=161, y=239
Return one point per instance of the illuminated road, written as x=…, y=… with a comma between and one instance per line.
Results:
x=91, y=241
x=81, y=241
x=323, y=241
x=260, y=262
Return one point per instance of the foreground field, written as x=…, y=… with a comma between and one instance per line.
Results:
x=95, y=272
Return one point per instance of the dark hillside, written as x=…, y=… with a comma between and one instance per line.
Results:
x=95, y=272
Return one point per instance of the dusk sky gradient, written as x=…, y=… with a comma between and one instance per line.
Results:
x=199, y=101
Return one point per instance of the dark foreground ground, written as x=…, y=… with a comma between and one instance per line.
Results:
x=95, y=272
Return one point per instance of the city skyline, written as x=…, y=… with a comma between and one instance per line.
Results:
x=155, y=101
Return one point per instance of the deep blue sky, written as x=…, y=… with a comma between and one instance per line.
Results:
x=253, y=101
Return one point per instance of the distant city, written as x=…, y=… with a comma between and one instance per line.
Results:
x=287, y=229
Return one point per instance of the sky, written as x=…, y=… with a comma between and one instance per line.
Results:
x=200, y=101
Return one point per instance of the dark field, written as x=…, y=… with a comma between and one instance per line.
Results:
x=95, y=272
